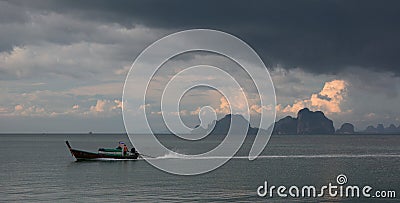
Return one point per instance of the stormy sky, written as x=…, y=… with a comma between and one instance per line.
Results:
x=63, y=63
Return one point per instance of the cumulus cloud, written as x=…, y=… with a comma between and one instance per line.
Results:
x=19, y=107
x=3, y=110
x=20, y=110
x=106, y=106
x=99, y=107
x=259, y=109
x=118, y=104
x=102, y=107
x=329, y=99
x=144, y=106
x=224, y=107
x=370, y=115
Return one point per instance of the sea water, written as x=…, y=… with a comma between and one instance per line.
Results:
x=39, y=167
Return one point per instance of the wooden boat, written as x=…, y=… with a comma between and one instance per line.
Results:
x=102, y=153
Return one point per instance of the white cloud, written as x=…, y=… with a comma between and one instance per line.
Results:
x=123, y=71
x=28, y=111
x=224, y=107
x=144, y=106
x=259, y=109
x=370, y=115
x=106, y=106
x=18, y=107
x=118, y=104
x=99, y=107
x=4, y=110
x=328, y=100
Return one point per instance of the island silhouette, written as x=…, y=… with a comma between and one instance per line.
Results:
x=307, y=122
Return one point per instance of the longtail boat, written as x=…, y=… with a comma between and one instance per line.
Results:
x=115, y=153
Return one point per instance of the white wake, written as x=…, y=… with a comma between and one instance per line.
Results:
x=179, y=156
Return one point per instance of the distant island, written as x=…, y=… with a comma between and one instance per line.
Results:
x=306, y=123
x=221, y=127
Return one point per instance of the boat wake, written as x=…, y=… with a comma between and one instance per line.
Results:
x=179, y=156
x=111, y=159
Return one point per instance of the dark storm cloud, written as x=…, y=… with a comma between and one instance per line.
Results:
x=318, y=36
x=11, y=13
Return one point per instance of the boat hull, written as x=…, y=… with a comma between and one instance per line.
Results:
x=81, y=155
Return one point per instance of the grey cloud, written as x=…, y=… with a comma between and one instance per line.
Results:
x=384, y=84
x=318, y=36
x=10, y=13
x=65, y=30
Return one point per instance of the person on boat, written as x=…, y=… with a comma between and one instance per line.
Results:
x=125, y=150
x=120, y=145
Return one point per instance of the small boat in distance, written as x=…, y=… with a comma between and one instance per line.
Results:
x=102, y=153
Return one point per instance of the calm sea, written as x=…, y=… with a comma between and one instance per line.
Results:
x=39, y=168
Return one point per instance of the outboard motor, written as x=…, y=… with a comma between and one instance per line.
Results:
x=134, y=152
